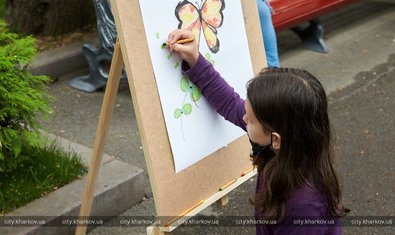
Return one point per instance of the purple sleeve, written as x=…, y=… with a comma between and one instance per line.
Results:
x=217, y=91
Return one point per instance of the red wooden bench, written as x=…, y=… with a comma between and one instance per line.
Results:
x=287, y=14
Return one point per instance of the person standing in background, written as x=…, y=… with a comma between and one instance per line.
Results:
x=268, y=33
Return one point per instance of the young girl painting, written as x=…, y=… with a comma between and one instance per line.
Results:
x=286, y=118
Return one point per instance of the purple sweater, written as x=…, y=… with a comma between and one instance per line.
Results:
x=307, y=205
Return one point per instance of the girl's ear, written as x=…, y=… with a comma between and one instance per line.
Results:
x=276, y=141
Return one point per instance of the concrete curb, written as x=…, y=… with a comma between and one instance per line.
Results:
x=119, y=187
x=61, y=61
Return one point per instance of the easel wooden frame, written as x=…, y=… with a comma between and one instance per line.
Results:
x=153, y=133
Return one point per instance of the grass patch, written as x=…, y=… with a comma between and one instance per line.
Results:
x=43, y=170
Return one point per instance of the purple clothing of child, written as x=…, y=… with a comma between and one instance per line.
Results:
x=306, y=209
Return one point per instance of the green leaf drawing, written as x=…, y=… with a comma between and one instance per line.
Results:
x=187, y=86
x=177, y=113
x=208, y=58
x=184, y=84
x=157, y=35
x=196, y=93
x=187, y=109
x=177, y=65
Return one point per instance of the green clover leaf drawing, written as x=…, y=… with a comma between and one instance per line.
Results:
x=186, y=110
x=187, y=86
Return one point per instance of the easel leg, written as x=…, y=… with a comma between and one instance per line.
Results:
x=154, y=230
x=101, y=134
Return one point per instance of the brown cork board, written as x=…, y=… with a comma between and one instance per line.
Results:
x=173, y=193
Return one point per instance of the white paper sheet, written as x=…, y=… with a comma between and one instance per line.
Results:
x=203, y=131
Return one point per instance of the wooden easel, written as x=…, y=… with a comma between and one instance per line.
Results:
x=196, y=187
x=98, y=151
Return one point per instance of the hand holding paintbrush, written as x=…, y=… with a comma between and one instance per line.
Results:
x=183, y=42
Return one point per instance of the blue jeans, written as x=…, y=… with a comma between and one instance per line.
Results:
x=268, y=33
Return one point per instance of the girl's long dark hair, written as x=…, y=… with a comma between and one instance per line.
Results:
x=293, y=103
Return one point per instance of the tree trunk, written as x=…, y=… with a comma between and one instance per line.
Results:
x=48, y=17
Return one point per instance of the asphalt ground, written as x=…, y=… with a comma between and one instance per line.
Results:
x=358, y=74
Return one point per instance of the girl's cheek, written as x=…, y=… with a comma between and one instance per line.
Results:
x=250, y=133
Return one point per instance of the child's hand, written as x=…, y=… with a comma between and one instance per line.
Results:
x=187, y=51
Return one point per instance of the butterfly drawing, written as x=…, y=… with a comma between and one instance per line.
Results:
x=206, y=16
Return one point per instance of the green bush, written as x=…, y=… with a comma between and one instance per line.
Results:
x=23, y=97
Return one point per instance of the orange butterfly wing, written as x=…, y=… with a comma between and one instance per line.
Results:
x=212, y=18
x=209, y=18
x=189, y=17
